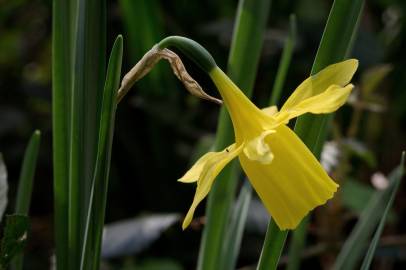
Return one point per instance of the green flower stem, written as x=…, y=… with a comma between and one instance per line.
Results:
x=273, y=246
x=192, y=49
x=335, y=45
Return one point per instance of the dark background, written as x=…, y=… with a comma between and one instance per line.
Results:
x=159, y=126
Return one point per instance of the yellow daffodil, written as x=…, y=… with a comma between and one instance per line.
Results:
x=283, y=171
x=285, y=174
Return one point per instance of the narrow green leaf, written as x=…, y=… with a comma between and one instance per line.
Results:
x=374, y=213
x=250, y=24
x=96, y=210
x=143, y=26
x=233, y=237
x=25, y=185
x=273, y=246
x=27, y=174
x=395, y=183
x=284, y=62
x=14, y=238
x=297, y=244
x=335, y=45
x=275, y=238
x=88, y=79
x=62, y=69
x=246, y=46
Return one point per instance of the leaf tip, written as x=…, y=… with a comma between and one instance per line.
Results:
x=37, y=133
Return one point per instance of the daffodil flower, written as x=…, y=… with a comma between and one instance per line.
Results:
x=283, y=171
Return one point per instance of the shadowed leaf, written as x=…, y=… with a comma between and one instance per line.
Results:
x=14, y=239
x=376, y=209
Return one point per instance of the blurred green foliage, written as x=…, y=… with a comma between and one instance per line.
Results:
x=159, y=125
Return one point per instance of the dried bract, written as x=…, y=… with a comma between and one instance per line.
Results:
x=149, y=60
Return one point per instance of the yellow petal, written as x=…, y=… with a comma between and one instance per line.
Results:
x=193, y=174
x=208, y=172
x=326, y=102
x=339, y=74
x=293, y=183
x=248, y=120
x=271, y=110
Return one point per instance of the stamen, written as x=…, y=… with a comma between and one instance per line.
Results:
x=258, y=150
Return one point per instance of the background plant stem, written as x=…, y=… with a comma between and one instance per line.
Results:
x=91, y=247
x=63, y=21
x=25, y=184
x=246, y=46
x=335, y=45
x=79, y=34
x=86, y=97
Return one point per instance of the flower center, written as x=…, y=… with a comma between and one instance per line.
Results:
x=258, y=150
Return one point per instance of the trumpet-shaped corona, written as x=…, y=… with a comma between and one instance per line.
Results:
x=283, y=171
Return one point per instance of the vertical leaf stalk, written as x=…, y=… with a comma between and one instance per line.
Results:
x=98, y=196
x=25, y=184
x=63, y=21
x=251, y=19
x=335, y=45
x=88, y=78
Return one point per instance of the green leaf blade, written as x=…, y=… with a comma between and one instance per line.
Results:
x=14, y=239
x=143, y=27
x=232, y=239
x=354, y=246
x=86, y=99
x=96, y=210
x=335, y=45
x=396, y=177
x=27, y=173
x=63, y=21
x=284, y=62
x=252, y=16
x=25, y=184
x=273, y=247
